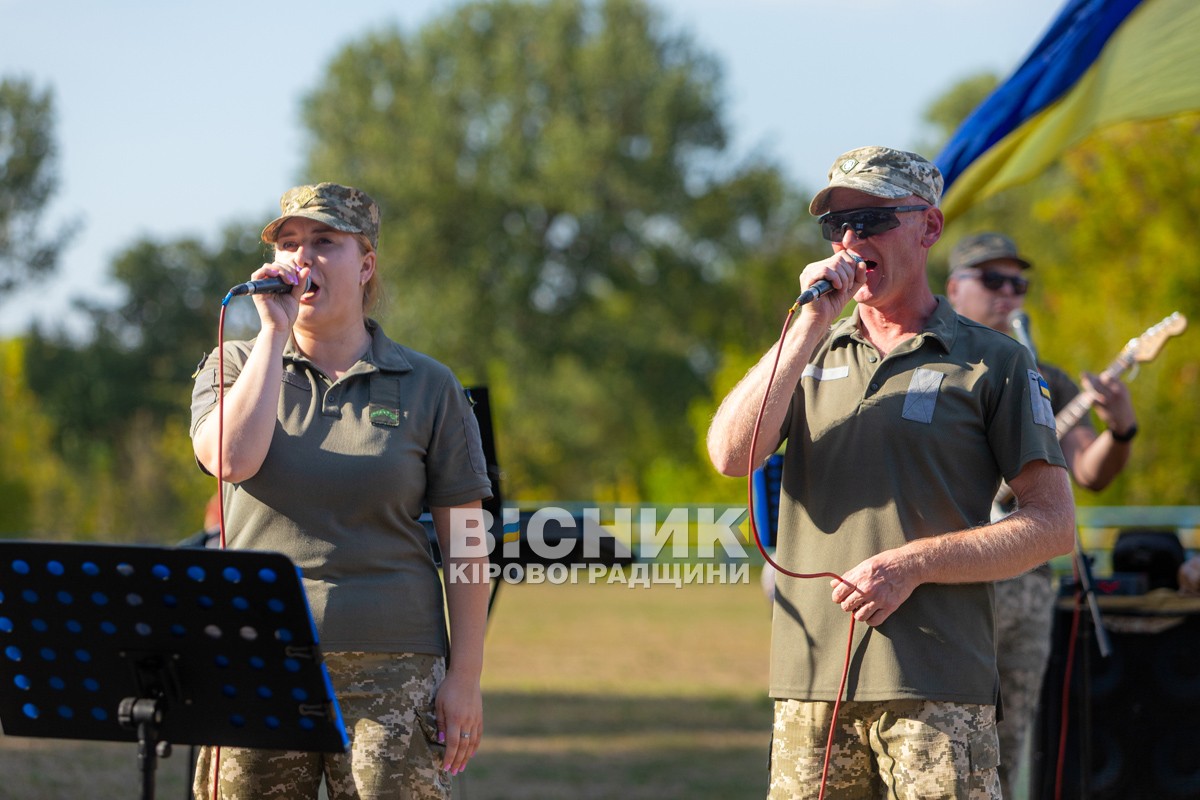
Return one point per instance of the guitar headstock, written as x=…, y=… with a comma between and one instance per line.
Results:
x=1146, y=347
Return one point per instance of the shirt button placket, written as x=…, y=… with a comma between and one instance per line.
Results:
x=329, y=403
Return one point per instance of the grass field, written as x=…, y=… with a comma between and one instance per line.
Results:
x=590, y=691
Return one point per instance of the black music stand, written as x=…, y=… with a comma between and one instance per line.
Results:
x=161, y=645
x=482, y=407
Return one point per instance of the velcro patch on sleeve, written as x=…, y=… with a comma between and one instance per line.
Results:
x=1039, y=398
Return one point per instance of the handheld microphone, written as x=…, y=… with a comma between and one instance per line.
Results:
x=813, y=292
x=1018, y=320
x=821, y=287
x=265, y=286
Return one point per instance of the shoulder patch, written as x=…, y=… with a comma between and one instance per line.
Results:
x=1039, y=399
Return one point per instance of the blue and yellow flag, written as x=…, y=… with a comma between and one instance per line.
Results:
x=1100, y=63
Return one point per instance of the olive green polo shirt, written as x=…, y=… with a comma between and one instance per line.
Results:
x=882, y=450
x=351, y=464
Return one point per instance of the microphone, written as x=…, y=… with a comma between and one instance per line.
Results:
x=821, y=287
x=265, y=286
x=1018, y=320
x=813, y=292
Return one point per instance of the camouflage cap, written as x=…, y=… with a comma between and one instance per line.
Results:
x=981, y=248
x=882, y=172
x=342, y=208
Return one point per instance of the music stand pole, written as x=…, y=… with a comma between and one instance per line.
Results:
x=145, y=715
x=1087, y=586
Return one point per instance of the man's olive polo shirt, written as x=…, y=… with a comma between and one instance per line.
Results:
x=881, y=451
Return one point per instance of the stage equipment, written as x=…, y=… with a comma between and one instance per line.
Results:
x=1133, y=718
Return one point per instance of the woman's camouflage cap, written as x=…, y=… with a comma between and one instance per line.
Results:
x=342, y=208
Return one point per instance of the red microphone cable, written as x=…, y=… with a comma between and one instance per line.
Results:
x=216, y=767
x=1065, y=704
x=766, y=557
x=221, y=417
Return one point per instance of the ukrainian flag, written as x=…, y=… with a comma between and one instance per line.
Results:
x=1101, y=62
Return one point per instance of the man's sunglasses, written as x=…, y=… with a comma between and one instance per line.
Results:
x=864, y=222
x=994, y=281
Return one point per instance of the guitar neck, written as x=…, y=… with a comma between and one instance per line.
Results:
x=1073, y=412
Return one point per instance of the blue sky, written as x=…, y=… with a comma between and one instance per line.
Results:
x=176, y=117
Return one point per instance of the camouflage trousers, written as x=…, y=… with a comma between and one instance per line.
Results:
x=896, y=749
x=1024, y=618
x=386, y=700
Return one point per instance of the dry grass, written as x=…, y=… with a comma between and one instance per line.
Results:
x=53, y=769
x=610, y=692
x=591, y=691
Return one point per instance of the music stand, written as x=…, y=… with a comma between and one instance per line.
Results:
x=482, y=407
x=161, y=645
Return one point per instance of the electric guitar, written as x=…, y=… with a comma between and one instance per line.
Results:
x=1139, y=350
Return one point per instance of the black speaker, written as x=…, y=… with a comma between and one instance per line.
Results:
x=1133, y=717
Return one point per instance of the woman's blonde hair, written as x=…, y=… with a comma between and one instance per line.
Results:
x=373, y=288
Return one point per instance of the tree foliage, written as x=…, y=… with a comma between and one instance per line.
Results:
x=24, y=442
x=28, y=180
x=560, y=220
x=1117, y=254
x=120, y=400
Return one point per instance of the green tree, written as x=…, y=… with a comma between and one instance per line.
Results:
x=25, y=443
x=120, y=399
x=1120, y=255
x=560, y=220
x=140, y=353
x=28, y=180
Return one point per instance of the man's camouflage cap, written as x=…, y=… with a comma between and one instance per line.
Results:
x=882, y=172
x=342, y=208
x=977, y=250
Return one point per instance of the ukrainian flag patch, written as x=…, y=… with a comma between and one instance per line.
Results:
x=1039, y=397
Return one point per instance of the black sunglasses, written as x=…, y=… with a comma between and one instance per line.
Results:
x=994, y=281
x=864, y=222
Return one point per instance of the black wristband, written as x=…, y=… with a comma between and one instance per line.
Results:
x=1127, y=436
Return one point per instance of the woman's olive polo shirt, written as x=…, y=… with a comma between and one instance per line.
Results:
x=350, y=467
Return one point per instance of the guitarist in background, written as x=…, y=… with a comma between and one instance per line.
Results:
x=987, y=283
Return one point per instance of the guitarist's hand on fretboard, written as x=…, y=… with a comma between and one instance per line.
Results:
x=1110, y=397
x=1120, y=420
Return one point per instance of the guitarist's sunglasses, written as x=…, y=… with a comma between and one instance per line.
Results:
x=994, y=281
x=865, y=222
